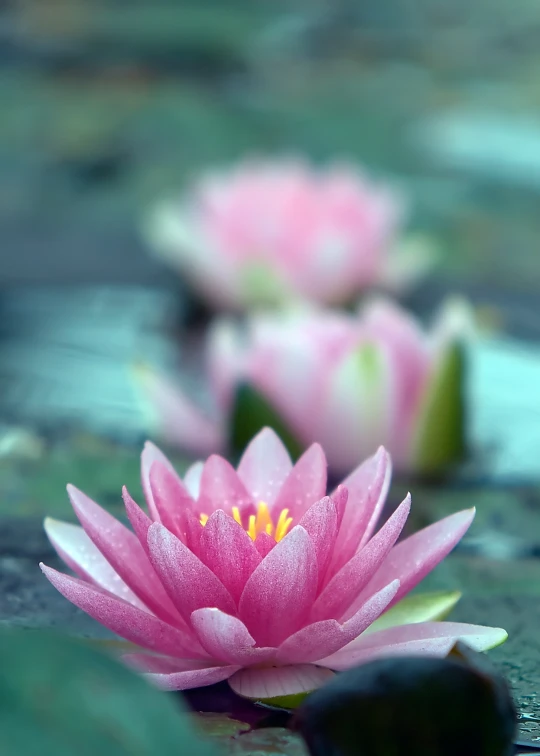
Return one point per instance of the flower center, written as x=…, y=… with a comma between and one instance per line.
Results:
x=261, y=522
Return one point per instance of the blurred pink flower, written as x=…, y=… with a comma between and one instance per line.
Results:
x=255, y=575
x=348, y=381
x=268, y=232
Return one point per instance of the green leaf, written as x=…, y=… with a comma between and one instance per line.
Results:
x=261, y=285
x=441, y=436
x=219, y=725
x=250, y=413
x=420, y=607
x=59, y=697
x=271, y=741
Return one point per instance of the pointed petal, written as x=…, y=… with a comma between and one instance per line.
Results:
x=79, y=553
x=150, y=455
x=128, y=621
x=227, y=639
x=221, y=488
x=323, y=638
x=170, y=496
x=419, y=607
x=192, y=479
x=228, y=551
x=264, y=544
x=190, y=583
x=321, y=524
x=271, y=682
x=140, y=522
x=368, y=487
x=264, y=466
x=340, y=596
x=423, y=639
x=305, y=484
x=195, y=678
x=412, y=559
x=122, y=549
x=279, y=594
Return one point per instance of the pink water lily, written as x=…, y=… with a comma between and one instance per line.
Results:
x=349, y=381
x=271, y=231
x=255, y=575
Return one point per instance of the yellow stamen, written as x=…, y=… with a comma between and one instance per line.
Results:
x=252, y=528
x=283, y=524
x=261, y=522
x=263, y=518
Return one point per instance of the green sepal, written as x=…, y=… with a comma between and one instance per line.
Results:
x=440, y=440
x=250, y=413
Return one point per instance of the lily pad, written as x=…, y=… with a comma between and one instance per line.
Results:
x=420, y=607
x=273, y=741
x=219, y=725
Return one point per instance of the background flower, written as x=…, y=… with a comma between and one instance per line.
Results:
x=268, y=232
x=255, y=575
x=349, y=381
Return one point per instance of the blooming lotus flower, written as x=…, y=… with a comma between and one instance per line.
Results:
x=267, y=232
x=254, y=575
x=351, y=382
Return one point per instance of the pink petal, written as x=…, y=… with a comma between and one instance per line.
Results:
x=227, y=639
x=180, y=420
x=345, y=587
x=304, y=485
x=196, y=678
x=122, y=549
x=368, y=487
x=421, y=639
x=124, y=619
x=321, y=524
x=221, y=488
x=228, y=551
x=171, y=498
x=323, y=638
x=264, y=544
x=412, y=559
x=192, y=479
x=190, y=583
x=264, y=466
x=269, y=682
x=279, y=594
x=144, y=662
x=79, y=553
x=140, y=522
x=150, y=455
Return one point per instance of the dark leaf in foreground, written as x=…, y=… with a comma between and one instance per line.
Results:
x=418, y=706
x=60, y=697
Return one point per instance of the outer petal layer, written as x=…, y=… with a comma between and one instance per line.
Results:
x=424, y=638
x=270, y=682
x=227, y=639
x=341, y=595
x=79, y=553
x=128, y=621
x=412, y=559
x=326, y=637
